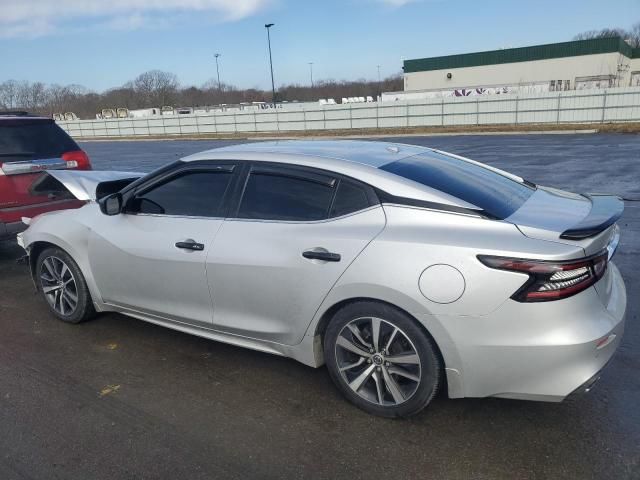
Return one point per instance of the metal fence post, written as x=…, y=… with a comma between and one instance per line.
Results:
x=558, y=110
x=477, y=111
x=442, y=113
x=517, y=107
x=604, y=106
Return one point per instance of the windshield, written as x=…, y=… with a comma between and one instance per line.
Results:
x=496, y=194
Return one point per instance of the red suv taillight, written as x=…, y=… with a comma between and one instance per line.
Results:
x=77, y=159
x=549, y=280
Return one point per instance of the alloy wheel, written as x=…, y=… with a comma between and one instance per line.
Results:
x=378, y=361
x=59, y=285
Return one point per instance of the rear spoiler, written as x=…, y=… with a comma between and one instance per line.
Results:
x=605, y=211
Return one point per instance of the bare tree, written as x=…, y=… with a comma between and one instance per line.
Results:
x=604, y=33
x=631, y=36
x=9, y=94
x=158, y=88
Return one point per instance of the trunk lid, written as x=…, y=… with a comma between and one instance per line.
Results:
x=554, y=215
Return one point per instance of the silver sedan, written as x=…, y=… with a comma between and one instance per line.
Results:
x=404, y=269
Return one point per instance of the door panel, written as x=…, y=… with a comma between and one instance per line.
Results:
x=137, y=265
x=262, y=285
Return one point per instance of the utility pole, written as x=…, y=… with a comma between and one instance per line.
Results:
x=273, y=85
x=218, y=70
x=311, y=70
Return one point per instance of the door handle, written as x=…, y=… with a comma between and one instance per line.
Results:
x=190, y=245
x=319, y=255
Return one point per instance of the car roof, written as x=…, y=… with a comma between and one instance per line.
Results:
x=354, y=158
x=373, y=153
x=19, y=115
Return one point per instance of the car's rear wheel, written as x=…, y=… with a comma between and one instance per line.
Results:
x=381, y=360
x=63, y=286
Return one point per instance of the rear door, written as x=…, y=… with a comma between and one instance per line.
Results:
x=27, y=146
x=294, y=234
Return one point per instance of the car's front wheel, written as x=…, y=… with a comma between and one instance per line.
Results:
x=63, y=286
x=381, y=360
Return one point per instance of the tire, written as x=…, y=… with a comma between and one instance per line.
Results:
x=396, y=378
x=63, y=286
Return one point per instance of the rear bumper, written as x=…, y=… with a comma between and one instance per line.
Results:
x=542, y=351
x=587, y=386
x=10, y=230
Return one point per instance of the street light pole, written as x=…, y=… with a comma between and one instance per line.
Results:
x=311, y=70
x=379, y=83
x=273, y=85
x=218, y=70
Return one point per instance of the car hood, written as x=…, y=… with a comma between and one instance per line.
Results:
x=86, y=185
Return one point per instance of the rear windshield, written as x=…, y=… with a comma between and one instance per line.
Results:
x=33, y=139
x=497, y=195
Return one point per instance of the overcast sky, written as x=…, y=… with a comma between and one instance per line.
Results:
x=103, y=43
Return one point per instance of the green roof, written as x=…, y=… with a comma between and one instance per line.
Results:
x=524, y=54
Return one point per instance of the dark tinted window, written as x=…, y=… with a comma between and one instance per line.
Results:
x=496, y=194
x=275, y=197
x=33, y=139
x=197, y=194
x=349, y=198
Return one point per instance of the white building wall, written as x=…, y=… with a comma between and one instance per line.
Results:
x=520, y=73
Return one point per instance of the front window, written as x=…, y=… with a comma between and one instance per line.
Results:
x=193, y=194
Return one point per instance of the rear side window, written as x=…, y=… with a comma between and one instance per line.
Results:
x=496, y=194
x=350, y=198
x=32, y=140
x=272, y=196
x=195, y=194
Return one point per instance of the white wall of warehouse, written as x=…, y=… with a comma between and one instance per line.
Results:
x=588, y=106
x=522, y=73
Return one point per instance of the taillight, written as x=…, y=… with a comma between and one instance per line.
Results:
x=549, y=280
x=77, y=159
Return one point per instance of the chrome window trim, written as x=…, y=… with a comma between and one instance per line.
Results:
x=192, y=217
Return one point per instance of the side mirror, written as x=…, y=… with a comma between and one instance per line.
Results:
x=111, y=205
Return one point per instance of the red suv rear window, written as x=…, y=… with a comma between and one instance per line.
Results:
x=30, y=139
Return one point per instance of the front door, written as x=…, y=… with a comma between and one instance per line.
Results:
x=151, y=258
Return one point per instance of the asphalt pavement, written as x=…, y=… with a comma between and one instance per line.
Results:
x=117, y=398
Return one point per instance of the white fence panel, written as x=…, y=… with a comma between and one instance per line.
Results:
x=576, y=106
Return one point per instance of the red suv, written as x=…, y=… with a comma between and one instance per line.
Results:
x=28, y=145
